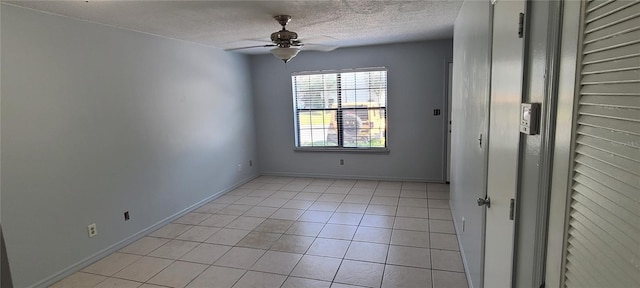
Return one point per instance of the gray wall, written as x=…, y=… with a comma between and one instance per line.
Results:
x=470, y=108
x=416, y=86
x=98, y=120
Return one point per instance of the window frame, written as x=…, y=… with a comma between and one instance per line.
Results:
x=339, y=110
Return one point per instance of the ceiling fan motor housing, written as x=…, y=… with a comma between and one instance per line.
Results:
x=284, y=37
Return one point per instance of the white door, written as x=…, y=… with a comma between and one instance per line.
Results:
x=449, y=105
x=504, y=135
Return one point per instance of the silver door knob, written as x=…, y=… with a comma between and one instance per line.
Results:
x=484, y=201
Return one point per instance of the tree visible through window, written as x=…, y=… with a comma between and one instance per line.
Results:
x=343, y=109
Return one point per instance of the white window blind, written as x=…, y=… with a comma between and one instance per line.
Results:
x=603, y=231
x=341, y=109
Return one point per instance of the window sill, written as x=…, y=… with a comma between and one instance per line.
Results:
x=349, y=150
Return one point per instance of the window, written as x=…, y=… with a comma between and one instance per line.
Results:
x=341, y=109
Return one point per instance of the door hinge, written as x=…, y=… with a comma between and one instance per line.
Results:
x=521, y=25
x=511, y=208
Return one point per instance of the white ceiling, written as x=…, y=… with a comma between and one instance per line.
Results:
x=232, y=24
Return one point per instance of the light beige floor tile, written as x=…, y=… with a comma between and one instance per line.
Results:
x=366, y=251
x=446, y=260
x=235, y=209
x=391, y=192
x=118, y=283
x=413, y=194
x=277, y=262
x=362, y=191
x=253, y=279
x=372, y=234
x=410, y=238
x=305, y=229
x=357, y=199
x=437, y=187
x=338, y=190
x=259, y=211
x=240, y=257
x=272, y=186
x=295, y=282
x=249, y=200
x=170, y=230
x=439, y=214
x=344, y=183
x=151, y=286
x=389, y=185
x=218, y=220
x=315, y=216
x=293, y=244
x=413, y=202
x=444, y=241
x=345, y=218
x=293, y=187
x=366, y=184
x=286, y=194
x=379, y=221
x=174, y=249
x=360, y=273
x=206, y=253
x=337, y=231
x=322, y=182
x=287, y=214
x=226, y=199
x=409, y=277
x=315, y=189
x=227, y=236
x=259, y=240
x=211, y=208
x=441, y=226
x=307, y=196
x=438, y=195
x=340, y=285
x=414, y=186
x=245, y=223
x=331, y=197
x=217, y=277
x=111, y=264
x=144, y=245
x=379, y=200
x=416, y=212
x=240, y=192
x=316, y=267
x=438, y=203
x=80, y=280
x=409, y=256
x=143, y=269
x=329, y=247
x=198, y=233
x=324, y=206
x=297, y=204
x=192, y=218
x=385, y=210
x=274, y=226
x=351, y=207
x=178, y=274
x=417, y=224
x=273, y=202
x=446, y=279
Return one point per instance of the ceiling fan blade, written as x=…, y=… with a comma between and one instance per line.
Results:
x=319, y=47
x=249, y=47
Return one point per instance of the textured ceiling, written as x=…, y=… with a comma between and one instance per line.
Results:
x=232, y=24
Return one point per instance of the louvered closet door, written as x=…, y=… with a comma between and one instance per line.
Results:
x=603, y=237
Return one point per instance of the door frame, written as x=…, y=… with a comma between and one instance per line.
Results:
x=448, y=98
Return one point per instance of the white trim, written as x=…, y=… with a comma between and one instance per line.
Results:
x=464, y=259
x=121, y=244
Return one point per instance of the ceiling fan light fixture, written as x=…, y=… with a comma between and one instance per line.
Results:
x=285, y=53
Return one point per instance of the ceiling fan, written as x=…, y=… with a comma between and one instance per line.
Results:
x=286, y=42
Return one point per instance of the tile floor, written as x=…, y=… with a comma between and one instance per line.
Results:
x=296, y=232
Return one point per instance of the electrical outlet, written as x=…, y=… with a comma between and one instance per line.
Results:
x=462, y=224
x=126, y=215
x=341, y=161
x=92, y=230
x=239, y=167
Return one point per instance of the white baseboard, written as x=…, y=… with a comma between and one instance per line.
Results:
x=464, y=258
x=121, y=244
